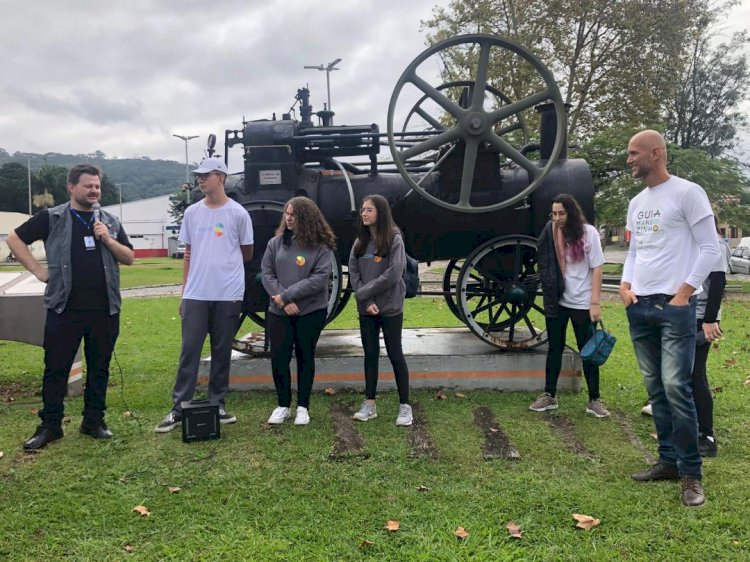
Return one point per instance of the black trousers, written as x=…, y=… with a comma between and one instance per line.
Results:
x=556, y=328
x=704, y=402
x=300, y=333
x=369, y=327
x=62, y=337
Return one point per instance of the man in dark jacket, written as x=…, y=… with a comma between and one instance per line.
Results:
x=84, y=247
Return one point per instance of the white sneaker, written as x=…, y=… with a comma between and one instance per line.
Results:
x=279, y=415
x=404, y=415
x=368, y=411
x=303, y=416
x=647, y=410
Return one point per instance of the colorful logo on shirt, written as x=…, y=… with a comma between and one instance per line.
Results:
x=219, y=229
x=300, y=260
x=377, y=259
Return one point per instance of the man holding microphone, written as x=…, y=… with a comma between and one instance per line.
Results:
x=84, y=247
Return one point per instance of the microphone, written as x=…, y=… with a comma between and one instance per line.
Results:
x=97, y=208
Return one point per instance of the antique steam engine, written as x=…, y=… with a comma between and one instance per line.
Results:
x=464, y=192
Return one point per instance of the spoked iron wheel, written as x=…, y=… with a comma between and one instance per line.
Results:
x=450, y=281
x=497, y=292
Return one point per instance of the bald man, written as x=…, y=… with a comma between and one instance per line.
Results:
x=672, y=249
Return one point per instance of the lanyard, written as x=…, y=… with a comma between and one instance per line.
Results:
x=83, y=222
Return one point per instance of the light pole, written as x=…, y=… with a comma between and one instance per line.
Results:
x=28, y=158
x=187, y=171
x=331, y=66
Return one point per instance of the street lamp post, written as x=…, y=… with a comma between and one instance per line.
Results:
x=328, y=68
x=28, y=157
x=187, y=171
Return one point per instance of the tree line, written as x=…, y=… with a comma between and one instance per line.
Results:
x=138, y=178
x=622, y=66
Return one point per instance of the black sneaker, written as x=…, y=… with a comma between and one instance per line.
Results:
x=707, y=445
x=659, y=471
x=44, y=434
x=225, y=417
x=172, y=420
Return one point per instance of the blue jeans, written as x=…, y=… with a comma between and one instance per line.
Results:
x=664, y=341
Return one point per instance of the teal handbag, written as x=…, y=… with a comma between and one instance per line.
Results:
x=598, y=348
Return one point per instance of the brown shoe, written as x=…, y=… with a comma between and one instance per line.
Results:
x=659, y=471
x=692, y=492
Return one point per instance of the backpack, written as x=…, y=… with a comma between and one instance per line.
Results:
x=411, y=276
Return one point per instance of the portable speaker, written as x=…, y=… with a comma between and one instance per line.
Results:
x=200, y=420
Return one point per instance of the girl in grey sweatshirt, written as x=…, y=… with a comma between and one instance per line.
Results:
x=376, y=268
x=295, y=270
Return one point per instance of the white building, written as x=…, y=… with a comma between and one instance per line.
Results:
x=9, y=222
x=148, y=225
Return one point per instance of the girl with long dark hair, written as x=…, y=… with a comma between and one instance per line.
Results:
x=295, y=271
x=570, y=261
x=376, y=268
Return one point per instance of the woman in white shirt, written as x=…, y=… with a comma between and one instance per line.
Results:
x=570, y=262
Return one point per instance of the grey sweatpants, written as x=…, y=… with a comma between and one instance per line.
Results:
x=219, y=320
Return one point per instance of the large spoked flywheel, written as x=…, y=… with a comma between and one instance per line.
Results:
x=482, y=126
x=499, y=296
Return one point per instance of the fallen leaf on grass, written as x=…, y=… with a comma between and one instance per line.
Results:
x=66, y=420
x=461, y=533
x=716, y=389
x=440, y=395
x=730, y=362
x=422, y=488
x=514, y=529
x=460, y=395
x=392, y=525
x=2, y=454
x=747, y=382
x=494, y=429
x=654, y=435
x=127, y=414
x=330, y=391
x=141, y=510
x=128, y=548
x=585, y=522
x=35, y=411
x=365, y=543
x=174, y=489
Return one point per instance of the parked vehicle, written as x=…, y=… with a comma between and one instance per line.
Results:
x=740, y=261
x=179, y=251
x=744, y=242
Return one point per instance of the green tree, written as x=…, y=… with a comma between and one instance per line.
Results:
x=705, y=112
x=177, y=205
x=722, y=178
x=51, y=180
x=14, y=188
x=616, y=61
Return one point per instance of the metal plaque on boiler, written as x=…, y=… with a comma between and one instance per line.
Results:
x=270, y=177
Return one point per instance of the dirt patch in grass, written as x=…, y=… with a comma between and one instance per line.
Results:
x=627, y=429
x=12, y=391
x=565, y=430
x=497, y=444
x=348, y=443
x=420, y=443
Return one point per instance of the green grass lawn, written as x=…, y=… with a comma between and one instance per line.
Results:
x=262, y=494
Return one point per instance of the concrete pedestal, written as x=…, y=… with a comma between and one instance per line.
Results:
x=437, y=358
x=22, y=318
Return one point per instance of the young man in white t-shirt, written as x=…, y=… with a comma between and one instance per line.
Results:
x=218, y=234
x=672, y=249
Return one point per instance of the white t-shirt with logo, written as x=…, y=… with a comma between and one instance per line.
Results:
x=216, y=270
x=659, y=219
x=579, y=277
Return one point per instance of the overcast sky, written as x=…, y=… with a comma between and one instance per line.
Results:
x=123, y=76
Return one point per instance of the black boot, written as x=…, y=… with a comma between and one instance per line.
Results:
x=97, y=430
x=43, y=435
x=707, y=445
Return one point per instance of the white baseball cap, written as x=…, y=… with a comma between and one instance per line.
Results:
x=211, y=165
